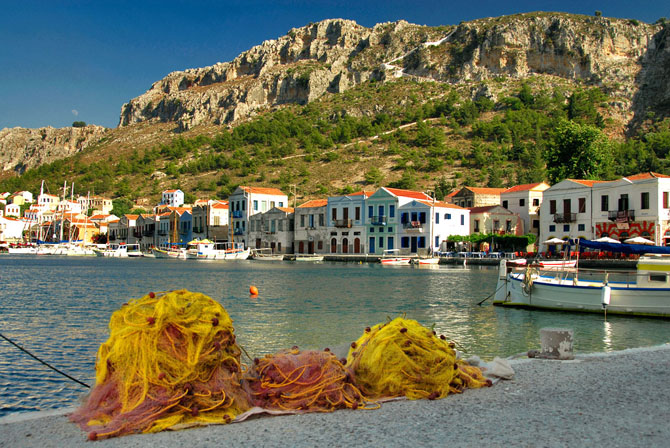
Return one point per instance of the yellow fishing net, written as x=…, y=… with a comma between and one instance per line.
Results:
x=308, y=381
x=171, y=358
x=404, y=358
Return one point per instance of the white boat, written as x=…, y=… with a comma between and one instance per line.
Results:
x=309, y=257
x=430, y=261
x=546, y=264
x=169, y=252
x=23, y=249
x=266, y=255
x=392, y=257
x=201, y=250
x=231, y=251
x=119, y=251
x=645, y=292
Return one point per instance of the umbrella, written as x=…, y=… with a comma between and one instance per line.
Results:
x=555, y=241
x=639, y=240
x=607, y=239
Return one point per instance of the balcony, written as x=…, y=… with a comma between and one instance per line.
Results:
x=413, y=226
x=621, y=215
x=148, y=233
x=378, y=220
x=561, y=218
x=237, y=214
x=344, y=223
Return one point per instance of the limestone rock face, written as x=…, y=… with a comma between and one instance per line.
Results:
x=336, y=55
x=22, y=148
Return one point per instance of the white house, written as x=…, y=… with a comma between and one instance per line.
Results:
x=173, y=198
x=247, y=201
x=346, y=222
x=46, y=201
x=311, y=228
x=566, y=211
x=426, y=224
x=13, y=210
x=273, y=229
x=637, y=205
x=11, y=229
x=525, y=201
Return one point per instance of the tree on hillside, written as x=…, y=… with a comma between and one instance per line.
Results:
x=79, y=124
x=579, y=151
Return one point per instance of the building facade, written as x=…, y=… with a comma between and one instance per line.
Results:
x=525, y=201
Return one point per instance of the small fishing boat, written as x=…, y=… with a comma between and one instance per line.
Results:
x=429, y=261
x=645, y=292
x=169, y=252
x=266, y=255
x=309, y=257
x=392, y=257
x=119, y=251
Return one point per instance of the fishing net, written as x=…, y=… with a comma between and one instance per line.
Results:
x=403, y=358
x=308, y=381
x=171, y=359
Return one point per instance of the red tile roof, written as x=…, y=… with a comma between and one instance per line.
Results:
x=358, y=193
x=647, y=175
x=586, y=182
x=442, y=204
x=314, y=203
x=481, y=190
x=408, y=193
x=524, y=187
x=286, y=209
x=487, y=208
x=220, y=205
x=263, y=190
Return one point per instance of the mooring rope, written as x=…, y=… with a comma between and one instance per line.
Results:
x=43, y=362
x=491, y=295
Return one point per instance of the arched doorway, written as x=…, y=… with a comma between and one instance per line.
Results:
x=345, y=246
x=333, y=246
x=357, y=245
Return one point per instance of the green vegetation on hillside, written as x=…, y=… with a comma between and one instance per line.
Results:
x=400, y=133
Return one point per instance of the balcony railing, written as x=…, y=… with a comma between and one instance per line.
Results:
x=565, y=217
x=413, y=226
x=237, y=214
x=621, y=215
x=346, y=223
x=378, y=220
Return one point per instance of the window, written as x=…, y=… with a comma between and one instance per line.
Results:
x=311, y=221
x=319, y=245
x=645, y=200
x=255, y=205
x=567, y=206
x=552, y=228
x=422, y=242
x=334, y=213
x=389, y=242
x=390, y=230
x=422, y=217
x=476, y=225
x=370, y=211
x=566, y=227
x=604, y=203
x=404, y=218
x=536, y=223
x=505, y=204
x=391, y=211
x=496, y=225
x=536, y=202
x=462, y=220
x=281, y=204
x=281, y=225
x=437, y=218
x=404, y=242
x=508, y=226
x=623, y=202
x=302, y=220
x=272, y=204
x=581, y=227
x=381, y=229
x=381, y=210
x=244, y=204
x=437, y=241
x=552, y=207
x=372, y=230
x=447, y=216
x=666, y=199
x=582, y=205
x=522, y=202
x=380, y=240
x=321, y=220
x=358, y=213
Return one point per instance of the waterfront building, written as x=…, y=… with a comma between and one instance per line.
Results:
x=11, y=229
x=247, y=201
x=13, y=210
x=495, y=219
x=468, y=197
x=632, y=206
x=566, y=211
x=382, y=218
x=96, y=205
x=210, y=220
x=346, y=223
x=273, y=229
x=311, y=228
x=102, y=221
x=525, y=201
x=46, y=202
x=181, y=225
x=145, y=231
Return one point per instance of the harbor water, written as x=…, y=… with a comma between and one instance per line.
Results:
x=59, y=308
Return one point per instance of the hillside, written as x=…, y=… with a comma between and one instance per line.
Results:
x=334, y=106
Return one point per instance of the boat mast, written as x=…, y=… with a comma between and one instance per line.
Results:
x=62, y=211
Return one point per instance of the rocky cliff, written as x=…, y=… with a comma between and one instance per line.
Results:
x=335, y=55
x=22, y=148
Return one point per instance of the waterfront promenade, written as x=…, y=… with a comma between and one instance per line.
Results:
x=620, y=399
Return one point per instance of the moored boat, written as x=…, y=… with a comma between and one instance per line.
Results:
x=309, y=257
x=392, y=257
x=644, y=292
x=265, y=255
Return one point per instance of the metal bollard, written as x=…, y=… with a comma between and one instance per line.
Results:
x=556, y=343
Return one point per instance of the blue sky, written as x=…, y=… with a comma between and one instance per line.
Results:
x=63, y=61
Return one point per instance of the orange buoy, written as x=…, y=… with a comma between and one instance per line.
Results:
x=253, y=290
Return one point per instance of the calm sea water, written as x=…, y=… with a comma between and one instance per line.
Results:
x=59, y=308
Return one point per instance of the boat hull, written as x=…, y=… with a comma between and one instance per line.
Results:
x=395, y=261
x=547, y=292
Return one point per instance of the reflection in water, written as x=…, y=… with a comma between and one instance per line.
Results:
x=59, y=308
